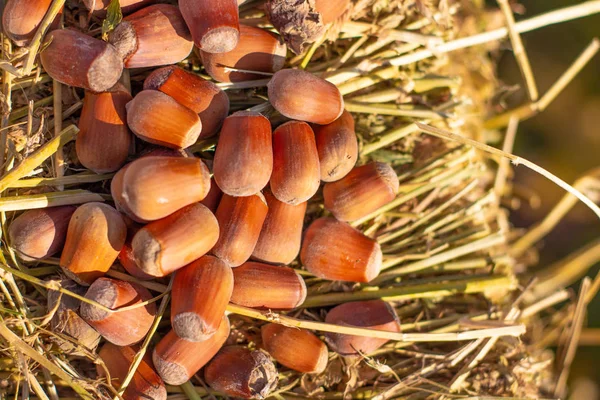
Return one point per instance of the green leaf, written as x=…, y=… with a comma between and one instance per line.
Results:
x=114, y=15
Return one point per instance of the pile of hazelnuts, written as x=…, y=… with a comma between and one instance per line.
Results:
x=225, y=229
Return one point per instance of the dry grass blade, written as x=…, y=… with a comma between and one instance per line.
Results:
x=43, y=200
x=574, y=334
x=515, y=330
x=59, y=159
x=516, y=160
x=584, y=9
x=62, y=181
x=33, y=161
x=504, y=163
x=589, y=182
x=140, y=354
x=565, y=272
x=472, y=247
x=36, y=42
x=448, y=267
x=27, y=350
x=529, y=110
x=519, y=50
x=416, y=291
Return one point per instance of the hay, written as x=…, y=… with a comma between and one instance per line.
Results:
x=471, y=327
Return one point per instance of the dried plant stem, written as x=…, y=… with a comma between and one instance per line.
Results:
x=515, y=159
x=515, y=330
x=568, y=271
x=384, y=109
x=529, y=110
x=50, y=285
x=58, y=160
x=457, y=176
x=27, y=350
x=504, y=163
x=341, y=78
x=568, y=201
x=190, y=391
x=553, y=299
x=155, y=286
x=311, y=52
x=349, y=53
x=388, y=138
x=16, y=301
x=36, y=42
x=24, y=111
x=472, y=263
x=425, y=218
x=574, y=334
x=31, y=81
x=355, y=27
x=477, y=284
x=511, y=316
x=595, y=288
x=7, y=67
x=7, y=83
x=244, y=85
x=474, y=246
x=43, y=200
x=69, y=111
x=140, y=354
x=519, y=50
x=554, y=17
x=65, y=180
x=36, y=159
x=590, y=337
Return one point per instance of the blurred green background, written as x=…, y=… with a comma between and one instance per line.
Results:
x=565, y=139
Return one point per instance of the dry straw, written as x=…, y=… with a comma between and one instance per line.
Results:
x=449, y=251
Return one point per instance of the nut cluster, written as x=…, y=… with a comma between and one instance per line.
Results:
x=228, y=237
